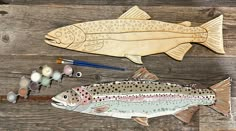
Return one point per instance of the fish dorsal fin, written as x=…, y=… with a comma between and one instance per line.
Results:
x=135, y=58
x=101, y=109
x=186, y=115
x=144, y=74
x=135, y=13
x=186, y=23
x=141, y=120
x=179, y=51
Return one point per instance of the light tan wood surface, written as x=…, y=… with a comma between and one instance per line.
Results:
x=133, y=35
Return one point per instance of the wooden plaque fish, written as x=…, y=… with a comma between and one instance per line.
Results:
x=143, y=99
x=133, y=35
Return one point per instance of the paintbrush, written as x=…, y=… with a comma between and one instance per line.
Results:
x=87, y=64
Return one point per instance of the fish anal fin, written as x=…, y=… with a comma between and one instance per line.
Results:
x=101, y=109
x=141, y=120
x=178, y=52
x=135, y=58
x=186, y=23
x=135, y=13
x=144, y=74
x=186, y=115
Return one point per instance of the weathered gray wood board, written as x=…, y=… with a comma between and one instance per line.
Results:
x=23, y=25
x=125, y=2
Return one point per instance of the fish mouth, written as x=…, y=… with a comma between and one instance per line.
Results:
x=58, y=104
x=51, y=40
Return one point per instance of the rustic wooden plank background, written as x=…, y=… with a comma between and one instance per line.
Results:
x=23, y=25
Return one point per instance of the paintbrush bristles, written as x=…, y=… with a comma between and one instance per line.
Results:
x=59, y=61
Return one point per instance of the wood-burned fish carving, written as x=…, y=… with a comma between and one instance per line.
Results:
x=143, y=99
x=132, y=35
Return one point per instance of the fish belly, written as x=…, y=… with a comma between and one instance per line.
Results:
x=164, y=105
x=140, y=48
x=136, y=37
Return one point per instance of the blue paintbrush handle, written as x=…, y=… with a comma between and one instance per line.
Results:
x=89, y=64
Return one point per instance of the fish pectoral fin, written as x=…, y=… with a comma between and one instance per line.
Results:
x=135, y=58
x=135, y=13
x=144, y=74
x=141, y=120
x=186, y=23
x=186, y=115
x=179, y=51
x=101, y=109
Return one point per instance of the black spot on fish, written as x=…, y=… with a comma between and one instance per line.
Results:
x=116, y=89
x=97, y=92
x=94, y=90
x=88, y=98
x=130, y=90
x=154, y=90
x=103, y=87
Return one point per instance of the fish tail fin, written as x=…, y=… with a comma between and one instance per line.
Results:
x=215, y=38
x=223, y=97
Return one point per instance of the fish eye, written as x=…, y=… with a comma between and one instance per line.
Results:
x=65, y=96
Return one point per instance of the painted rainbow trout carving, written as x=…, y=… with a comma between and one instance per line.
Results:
x=132, y=35
x=141, y=100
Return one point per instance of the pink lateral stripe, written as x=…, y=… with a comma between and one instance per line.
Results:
x=148, y=97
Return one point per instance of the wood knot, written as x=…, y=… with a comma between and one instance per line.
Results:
x=3, y=12
x=98, y=77
x=211, y=12
x=5, y=38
